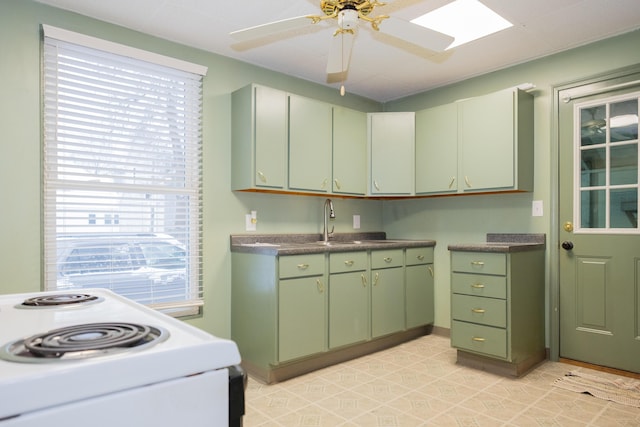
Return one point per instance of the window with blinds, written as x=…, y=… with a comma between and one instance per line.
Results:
x=122, y=172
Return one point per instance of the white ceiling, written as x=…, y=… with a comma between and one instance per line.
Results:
x=381, y=68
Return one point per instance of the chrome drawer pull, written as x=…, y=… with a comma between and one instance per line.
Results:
x=364, y=281
x=478, y=310
x=478, y=339
x=262, y=177
x=477, y=286
x=420, y=257
x=388, y=259
x=303, y=266
x=375, y=280
x=375, y=184
x=337, y=182
x=320, y=286
x=431, y=271
x=480, y=263
x=349, y=263
x=467, y=181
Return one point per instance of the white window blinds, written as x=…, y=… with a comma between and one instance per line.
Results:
x=122, y=175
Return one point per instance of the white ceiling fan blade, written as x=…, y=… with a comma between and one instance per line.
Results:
x=340, y=53
x=265, y=30
x=415, y=34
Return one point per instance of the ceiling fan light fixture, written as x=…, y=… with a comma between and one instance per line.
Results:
x=348, y=19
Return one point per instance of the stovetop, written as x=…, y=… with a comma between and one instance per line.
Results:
x=178, y=349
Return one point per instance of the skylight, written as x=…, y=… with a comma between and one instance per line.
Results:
x=465, y=20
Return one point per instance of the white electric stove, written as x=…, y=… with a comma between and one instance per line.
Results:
x=96, y=358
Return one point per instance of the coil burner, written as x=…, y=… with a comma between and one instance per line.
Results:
x=59, y=300
x=83, y=341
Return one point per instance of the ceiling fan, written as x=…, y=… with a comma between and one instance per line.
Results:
x=348, y=14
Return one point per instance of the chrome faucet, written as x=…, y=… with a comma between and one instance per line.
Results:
x=328, y=214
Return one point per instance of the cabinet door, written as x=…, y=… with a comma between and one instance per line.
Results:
x=487, y=138
x=437, y=150
x=387, y=301
x=302, y=321
x=310, y=134
x=349, y=151
x=259, y=138
x=419, y=295
x=348, y=308
x=391, y=150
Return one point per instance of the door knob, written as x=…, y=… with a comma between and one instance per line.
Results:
x=567, y=245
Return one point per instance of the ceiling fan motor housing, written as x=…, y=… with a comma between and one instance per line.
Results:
x=348, y=19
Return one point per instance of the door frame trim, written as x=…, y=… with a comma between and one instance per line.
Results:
x=600, y=83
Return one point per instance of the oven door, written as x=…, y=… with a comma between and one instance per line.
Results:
x=195, y=401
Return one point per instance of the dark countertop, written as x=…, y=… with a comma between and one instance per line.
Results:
x=504, y=243
x=299, y=244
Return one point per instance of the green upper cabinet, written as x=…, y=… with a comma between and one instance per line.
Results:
x=349, y=151
x=259, y=138
x=391, y=153
x=495, y=134
x=310, y=138
x=437, y=150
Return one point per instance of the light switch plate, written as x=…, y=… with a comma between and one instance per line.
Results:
x=536, y=208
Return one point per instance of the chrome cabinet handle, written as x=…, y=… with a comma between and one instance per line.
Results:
x=338, y=185
x=349, y=263
x=303, y=266
x=477, y=263
x=420, y=257
x=467, y=181
x=324, y=184
x=478, y=310
x=375, y=184
x=375, y=280
x=478, y=339
x=320, y=286
x=388, y=259
x=477, y=286
x=262, y=177
x=453, y=180
x=431, y=271
x=364, y=280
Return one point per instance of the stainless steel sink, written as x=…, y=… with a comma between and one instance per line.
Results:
x=337, y=242
x=350, y=242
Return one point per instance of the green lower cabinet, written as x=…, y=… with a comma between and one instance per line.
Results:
x=302, y=318
x=348, y=309
x=419, y=295
x=387, y=301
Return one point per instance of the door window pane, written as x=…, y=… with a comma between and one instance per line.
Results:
x=624, y=164
x=624, y=121
x=593, y=125
x=594, y=167
x=593, y=204
x=624, y=208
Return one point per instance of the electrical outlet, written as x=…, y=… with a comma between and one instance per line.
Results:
x=356, y=222
x=250, y=221
x=536, y=208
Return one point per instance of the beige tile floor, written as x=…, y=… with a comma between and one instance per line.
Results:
x=419, y=384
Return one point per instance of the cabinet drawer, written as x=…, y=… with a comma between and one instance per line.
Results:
x=416, y=256
x=486, y=311
x=479, y=285
x=342, y=262
x=301, y=265
x=478, y=338
x=479, y=262
x=386, y=258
